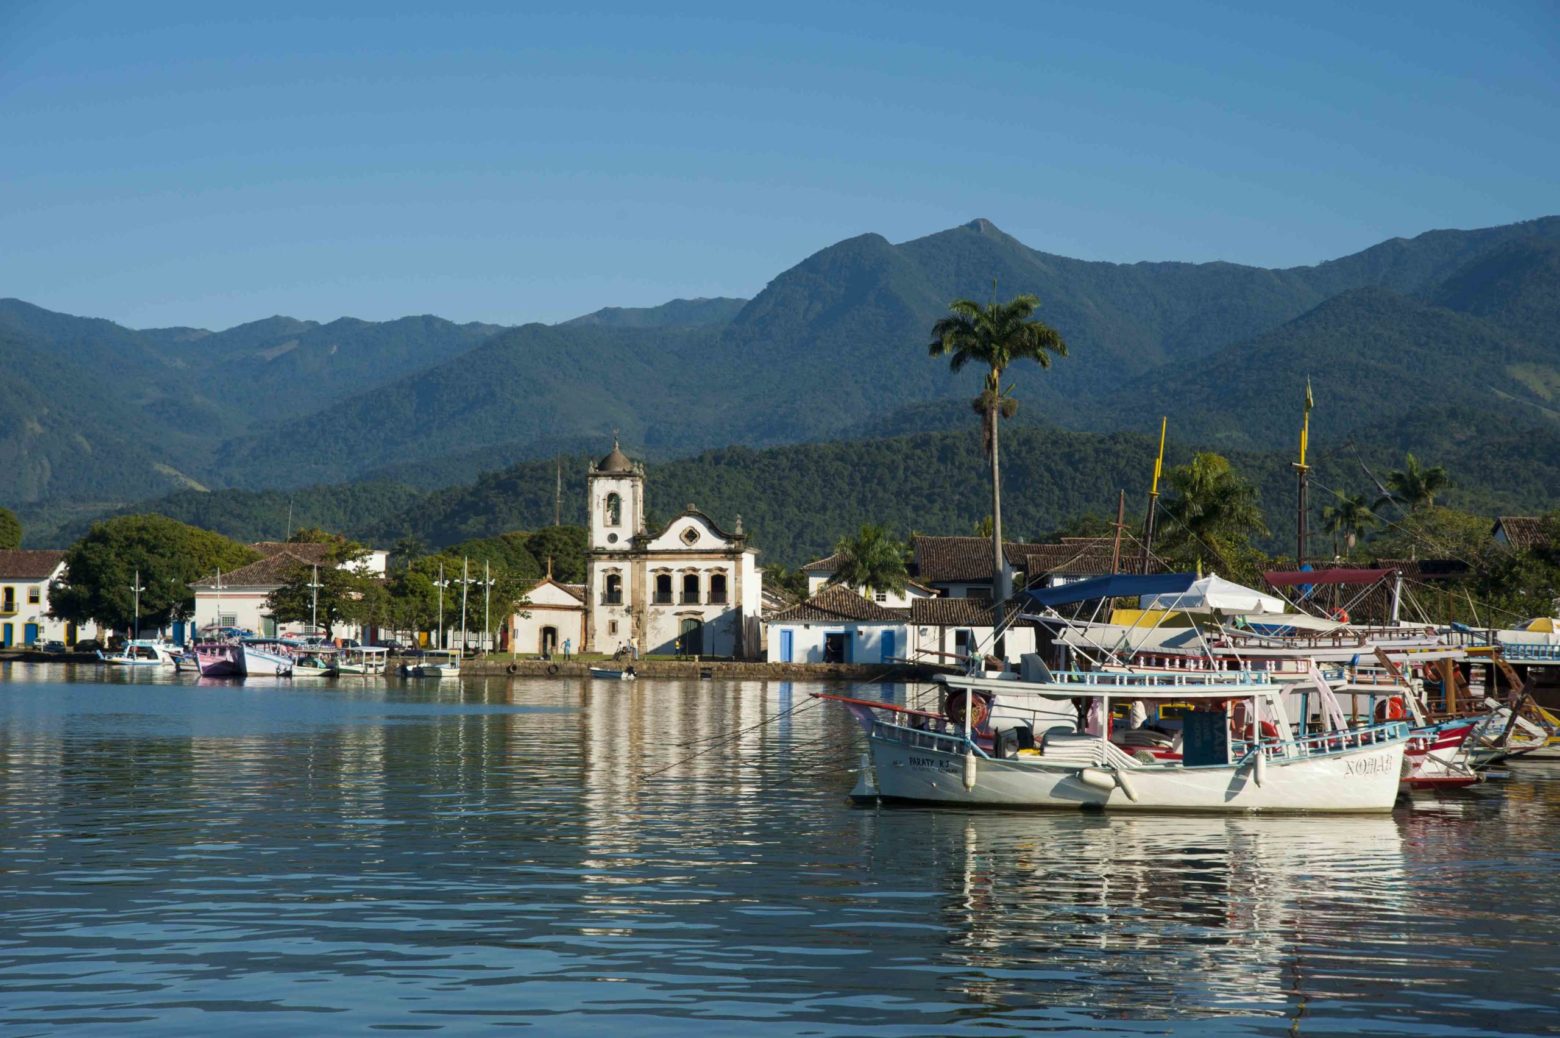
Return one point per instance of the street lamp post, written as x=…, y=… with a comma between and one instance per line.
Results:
x=440, y=639
x=465, y=585
x=314, y=603
x=136, y=589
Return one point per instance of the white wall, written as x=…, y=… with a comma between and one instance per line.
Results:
x=807, y=641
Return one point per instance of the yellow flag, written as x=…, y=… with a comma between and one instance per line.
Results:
x=1310, y=401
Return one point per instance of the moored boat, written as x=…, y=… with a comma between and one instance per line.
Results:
x=362, y=660
x=140, y=652
x=434, y=663
x=613, y=673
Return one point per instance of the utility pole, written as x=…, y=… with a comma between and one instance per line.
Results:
x=487, y=604
x=1153, y=497
x=558, y=497
x=136, y=589
x=440, y=639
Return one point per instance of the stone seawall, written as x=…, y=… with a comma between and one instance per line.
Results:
x=693, y=669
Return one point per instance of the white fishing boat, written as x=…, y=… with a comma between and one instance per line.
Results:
x=265, y=657
x=140, y=652
x=315, y=661
x=362, y=660
x=1048, y=739
x=613, y=673
x=434, y=663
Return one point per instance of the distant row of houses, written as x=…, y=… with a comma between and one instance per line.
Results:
x=690, y=587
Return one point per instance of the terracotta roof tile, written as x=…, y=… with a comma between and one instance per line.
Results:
x=945, y=560
x=29, y=563
x=271, y=571
x=1523, y=532
x=955, y=612
x=827, y=564
x=836, y=603
x=312, y=553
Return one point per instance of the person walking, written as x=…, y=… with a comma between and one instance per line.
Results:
x=568, y=646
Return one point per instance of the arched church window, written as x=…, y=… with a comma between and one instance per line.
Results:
x=614, y=594
x=690, y=595
x=614, y=510
x=663, y=588
x=717, y=588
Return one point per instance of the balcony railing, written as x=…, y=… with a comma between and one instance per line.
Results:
x=717, y=598
x=612, y=598
x=663, y=598
x=690, y=598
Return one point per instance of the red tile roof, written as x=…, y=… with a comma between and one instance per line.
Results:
x=958, y=560
x=835, y=603
x=29, y=563
x=1523, y=532
x=272, y=571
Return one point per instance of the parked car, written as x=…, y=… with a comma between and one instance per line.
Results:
x=89, y=645
x=54, y=647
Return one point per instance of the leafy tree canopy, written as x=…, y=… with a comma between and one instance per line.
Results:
x=10, y=529
x=101, y=568
x=873, y=559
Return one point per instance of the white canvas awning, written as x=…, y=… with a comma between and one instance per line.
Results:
x=1214, y=592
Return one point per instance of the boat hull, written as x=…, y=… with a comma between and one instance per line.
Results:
x=258, y=661
x=1357, y=781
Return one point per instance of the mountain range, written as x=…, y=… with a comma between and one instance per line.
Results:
x=1394, y=339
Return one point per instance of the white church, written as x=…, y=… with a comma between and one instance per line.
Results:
x=692, y=589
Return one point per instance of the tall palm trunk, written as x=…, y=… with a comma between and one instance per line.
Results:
x=1000, y=586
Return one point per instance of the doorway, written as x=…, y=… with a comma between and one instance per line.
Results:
x=549, y=641
x=787, y=645
x=836, y=647
x=690, y=637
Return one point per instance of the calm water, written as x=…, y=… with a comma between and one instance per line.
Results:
x=263, y=859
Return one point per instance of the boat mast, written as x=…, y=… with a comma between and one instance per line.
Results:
x=1301, y=471
x=1121, y=517
x=1153, y=497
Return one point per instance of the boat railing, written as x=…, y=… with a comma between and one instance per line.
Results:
x=1324, y=744
x=1107, y=681
x=926, y=738
x=1523, y=652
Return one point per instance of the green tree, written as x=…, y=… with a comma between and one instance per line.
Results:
x=790, y=581
x=873, y=559
x=996, y=335
x=565, y=545
x=1214, y=514
x=101, y=568
x=1350, y=518
x=10, y=529
x=1414, y=487
x=313, y=535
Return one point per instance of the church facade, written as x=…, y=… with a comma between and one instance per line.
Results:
x=690, y=588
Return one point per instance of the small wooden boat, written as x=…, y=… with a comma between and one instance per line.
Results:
x=362, y=660
x=613, y=673
x=435, y=663
x=316, y=661
x=219, y=660
x=143, y=652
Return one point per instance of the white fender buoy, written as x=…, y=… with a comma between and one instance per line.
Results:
x=1097, y=778
x=1260, y=771
x=1126, y=785
x=969, y=770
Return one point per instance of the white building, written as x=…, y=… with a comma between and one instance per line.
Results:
x=692, y=588
x=837, y=625
x=237, y=598
x=821, y=571
x=24, y=598
x=554, y=613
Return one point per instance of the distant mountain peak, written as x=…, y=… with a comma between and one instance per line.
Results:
x=981, y=225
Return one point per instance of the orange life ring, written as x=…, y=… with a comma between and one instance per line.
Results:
x=953, y=709
x=1269, y=731
x=1341, y=615
x=1390, y=709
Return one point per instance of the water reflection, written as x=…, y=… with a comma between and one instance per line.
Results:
x=182, y=856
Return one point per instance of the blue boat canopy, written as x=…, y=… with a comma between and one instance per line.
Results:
x=1118, y=585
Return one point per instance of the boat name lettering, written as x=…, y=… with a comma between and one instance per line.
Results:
x=1377, y=765
x=931, y=762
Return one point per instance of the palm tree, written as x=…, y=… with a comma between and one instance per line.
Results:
x=1414, y=486
x=1215, y=510
x=996, y=335
x=1350, y=517
x=873, y=559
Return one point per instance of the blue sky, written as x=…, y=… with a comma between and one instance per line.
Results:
x=164, y=164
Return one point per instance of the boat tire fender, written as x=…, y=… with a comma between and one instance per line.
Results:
x=552, y=669
x=512, y=669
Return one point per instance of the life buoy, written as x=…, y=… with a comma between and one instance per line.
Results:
x=512, y=669
x=1390, y=709
x=953, y=709
x=1268, y=728
x=552, y=669
x=1341, y=615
